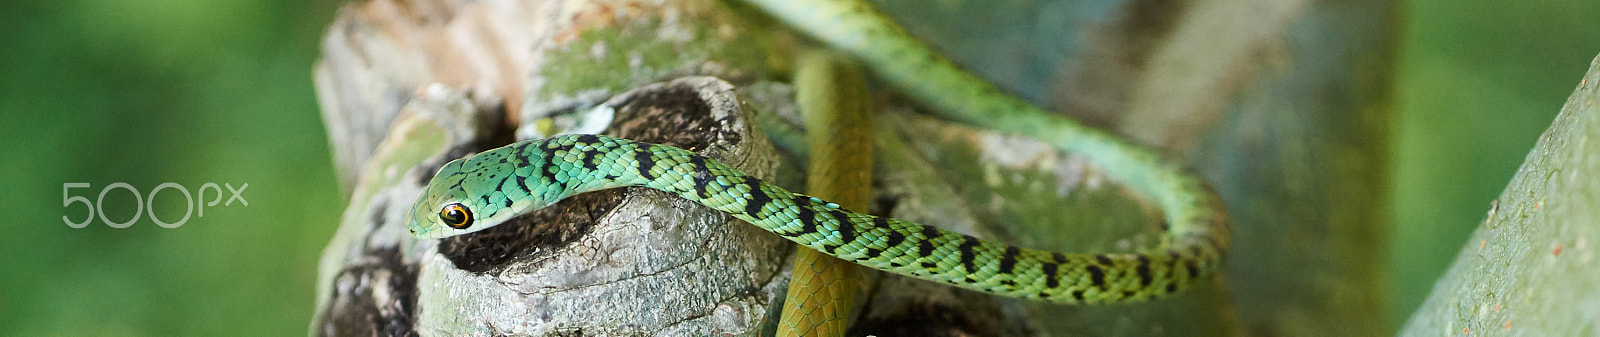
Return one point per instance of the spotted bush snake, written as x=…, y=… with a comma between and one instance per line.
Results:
x=489, y=188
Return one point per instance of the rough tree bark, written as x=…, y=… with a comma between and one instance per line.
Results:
x=1281, y=103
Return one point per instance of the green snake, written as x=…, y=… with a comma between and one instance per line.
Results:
x=487, y=189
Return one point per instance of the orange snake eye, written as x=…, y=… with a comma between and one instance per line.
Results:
x=456, y=216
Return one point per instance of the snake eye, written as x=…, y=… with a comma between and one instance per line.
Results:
x=456, y=216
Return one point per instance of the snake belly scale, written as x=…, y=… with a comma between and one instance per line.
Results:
x=486, y=189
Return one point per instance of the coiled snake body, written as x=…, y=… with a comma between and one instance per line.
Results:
x=484, y=190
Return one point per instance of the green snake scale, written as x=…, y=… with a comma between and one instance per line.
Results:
x=486, y=189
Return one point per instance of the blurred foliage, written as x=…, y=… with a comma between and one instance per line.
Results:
x=147, y=92
x=196, y=91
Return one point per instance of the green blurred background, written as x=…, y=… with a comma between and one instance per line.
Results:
x=197, y=91
x=147, y=92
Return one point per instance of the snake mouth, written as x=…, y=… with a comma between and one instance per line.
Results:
x=422, y=232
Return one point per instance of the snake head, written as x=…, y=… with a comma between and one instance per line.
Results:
x=474, y=193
